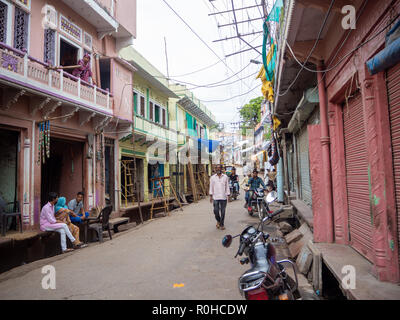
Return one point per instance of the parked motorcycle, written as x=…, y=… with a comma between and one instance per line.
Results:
x=267, y=279
x=234, y=193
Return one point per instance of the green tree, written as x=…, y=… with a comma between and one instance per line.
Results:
x=251, y=113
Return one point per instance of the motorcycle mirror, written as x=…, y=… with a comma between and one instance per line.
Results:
x=227, y=241
x=272, y=196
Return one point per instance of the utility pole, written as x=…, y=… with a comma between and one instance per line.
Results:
x=236, y=23
x=137, y=185
x=166, y=55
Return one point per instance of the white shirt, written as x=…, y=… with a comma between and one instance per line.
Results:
x=219, y=187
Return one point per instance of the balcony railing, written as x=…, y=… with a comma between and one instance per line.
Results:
x=21, y=66
x=150, y=128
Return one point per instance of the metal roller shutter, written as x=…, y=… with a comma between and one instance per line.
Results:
x=393, y=85
x=290, y=169
x=360, y=221
x=304, y=167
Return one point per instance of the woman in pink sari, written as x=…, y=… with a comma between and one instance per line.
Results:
x=82, y=70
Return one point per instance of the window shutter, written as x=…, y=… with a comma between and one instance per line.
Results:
x=21, y=29
x=3, y=22
x=135, y=102
x=50, y=46
x=142, y=106
x=164, y=120
x=151, y=111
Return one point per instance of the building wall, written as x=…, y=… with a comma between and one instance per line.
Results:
x=123, y=98
x=376, y=123
x=124, y=15
x=20, y=117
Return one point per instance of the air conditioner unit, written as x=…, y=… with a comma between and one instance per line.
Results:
x=50, y=17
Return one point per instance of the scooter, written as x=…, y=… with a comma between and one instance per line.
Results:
x=267, y=279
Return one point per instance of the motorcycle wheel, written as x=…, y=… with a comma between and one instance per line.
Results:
x=261, y=212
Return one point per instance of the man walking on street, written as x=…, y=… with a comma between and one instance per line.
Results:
x=219, y=192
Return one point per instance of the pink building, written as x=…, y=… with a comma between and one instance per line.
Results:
x=83, y=118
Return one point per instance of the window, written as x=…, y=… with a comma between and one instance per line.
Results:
x=50, y=46
x=135, y=101
x=139, y=102
x=3, y=21
x=151, y=111
x=142, y=106
x=157, y=114
x=164, y=117
x=68, y=54
x=105, y=74
x=21, y=29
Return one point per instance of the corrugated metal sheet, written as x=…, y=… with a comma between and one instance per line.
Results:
x=294, y=165
x=360, y=221
x=393, y=84
x=304, y=167
x=290, y=169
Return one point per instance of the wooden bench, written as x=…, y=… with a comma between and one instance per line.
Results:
x=116, y=222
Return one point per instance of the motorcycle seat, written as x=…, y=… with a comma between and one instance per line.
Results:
x=261, y=265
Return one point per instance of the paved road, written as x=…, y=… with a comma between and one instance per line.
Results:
x=145, y=262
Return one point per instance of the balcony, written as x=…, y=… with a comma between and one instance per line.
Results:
x=147, y=127
x=23, y=70
x=95, y=12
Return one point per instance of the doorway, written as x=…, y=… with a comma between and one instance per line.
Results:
x=68, y=54
x=9, y=146
x=63, y=171
x=109, y=170
x=8, y=165
x=154, y=171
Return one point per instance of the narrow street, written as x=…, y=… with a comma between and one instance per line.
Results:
x=145, y=262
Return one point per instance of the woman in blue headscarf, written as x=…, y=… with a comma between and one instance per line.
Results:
x=62, y=215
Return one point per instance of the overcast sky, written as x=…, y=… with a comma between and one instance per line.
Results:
x=186, y=53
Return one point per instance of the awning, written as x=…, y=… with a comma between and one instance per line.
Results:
x=304, y=109
x=210, y=144
x=389, y=56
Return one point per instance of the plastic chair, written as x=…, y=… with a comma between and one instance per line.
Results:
x=102, y=223
x=12, y=210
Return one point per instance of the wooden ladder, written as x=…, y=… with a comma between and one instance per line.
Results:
x=159, y=191
x=193, y=182
x=129, y=187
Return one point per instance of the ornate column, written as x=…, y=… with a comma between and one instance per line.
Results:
x=381, y=183
x=26, y=214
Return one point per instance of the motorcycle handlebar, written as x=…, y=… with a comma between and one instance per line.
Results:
x=241, y=249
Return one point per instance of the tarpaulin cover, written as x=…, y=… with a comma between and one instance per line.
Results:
x=389, y=56
x=210, y=144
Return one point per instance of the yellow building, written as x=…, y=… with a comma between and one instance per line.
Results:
x=153, y=138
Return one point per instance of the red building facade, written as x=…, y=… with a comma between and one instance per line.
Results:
x=356, y=191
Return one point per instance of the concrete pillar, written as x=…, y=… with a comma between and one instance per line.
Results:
x=26, y=182
x=280, y=180
x=326, y=160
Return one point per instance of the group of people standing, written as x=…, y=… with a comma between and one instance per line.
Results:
x=64, y=219
x=220, y=191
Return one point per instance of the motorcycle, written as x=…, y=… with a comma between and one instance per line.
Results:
x=259, y=204
x=267, y=279
x=234, y=193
